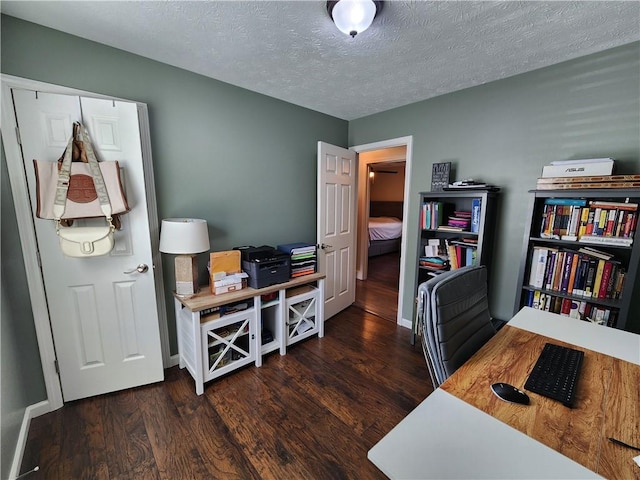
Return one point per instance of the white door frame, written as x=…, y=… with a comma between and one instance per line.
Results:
x=397, y=142
x=27, y=233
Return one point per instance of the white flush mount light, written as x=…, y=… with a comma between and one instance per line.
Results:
x=353, y=16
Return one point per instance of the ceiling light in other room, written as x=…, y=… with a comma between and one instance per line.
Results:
x=353, y=16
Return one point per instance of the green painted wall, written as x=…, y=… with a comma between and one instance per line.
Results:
x=505, y=131
x=22, y=382
x=244, y=162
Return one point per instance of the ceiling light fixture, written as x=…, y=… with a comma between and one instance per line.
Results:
x=353, y=16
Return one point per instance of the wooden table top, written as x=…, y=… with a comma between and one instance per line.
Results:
x=205, y=299
x=607, y=401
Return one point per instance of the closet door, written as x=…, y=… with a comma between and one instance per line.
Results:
x=103, y=310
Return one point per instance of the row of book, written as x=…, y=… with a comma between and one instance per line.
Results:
x=596, y=221
x=586, y=273
x=432, y=217
x=462, y=252
x=443, y=254
x=303, y=258
x=581, y=309
x=588, y=182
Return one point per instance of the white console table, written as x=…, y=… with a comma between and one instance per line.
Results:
x=211, y=344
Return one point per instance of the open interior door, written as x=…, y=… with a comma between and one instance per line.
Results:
x=336, y=227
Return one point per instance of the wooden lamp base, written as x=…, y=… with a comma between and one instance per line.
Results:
x=186, y=275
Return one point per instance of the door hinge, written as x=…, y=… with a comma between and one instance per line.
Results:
x=55, y=365
x=39, y=259
x=18, y=136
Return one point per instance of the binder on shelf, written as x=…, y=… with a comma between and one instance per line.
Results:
x=476, y=210
x=303, y=257
x=297, y=248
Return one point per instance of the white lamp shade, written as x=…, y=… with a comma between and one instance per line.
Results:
x=353, y=16
x=184, y=236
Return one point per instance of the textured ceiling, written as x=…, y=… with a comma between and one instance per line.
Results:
x=291, y=50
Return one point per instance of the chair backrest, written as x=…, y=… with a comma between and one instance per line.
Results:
x=454, y=317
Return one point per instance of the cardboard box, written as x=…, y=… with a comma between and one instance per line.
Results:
x=218, y=290
x=227, y=262
x=221, y=266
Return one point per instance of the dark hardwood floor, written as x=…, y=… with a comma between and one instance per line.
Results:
x=378, y=294
x=310, y=414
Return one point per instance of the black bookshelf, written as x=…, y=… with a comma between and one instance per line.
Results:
x=456, y=201
x=611, y=304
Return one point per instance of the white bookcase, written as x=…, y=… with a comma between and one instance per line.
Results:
x=210, y=345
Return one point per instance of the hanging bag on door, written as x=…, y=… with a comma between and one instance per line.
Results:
x=83, y=241
x=82, y=197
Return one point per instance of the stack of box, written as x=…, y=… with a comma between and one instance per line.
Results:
x=225, y=274
x=584, y=174
x=303, y=258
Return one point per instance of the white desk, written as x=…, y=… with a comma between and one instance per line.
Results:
x=610, y=341
x=445, y=437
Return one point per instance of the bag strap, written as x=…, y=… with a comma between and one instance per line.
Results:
x=64, y=177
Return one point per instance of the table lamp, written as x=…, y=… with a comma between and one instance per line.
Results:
x=185, y=237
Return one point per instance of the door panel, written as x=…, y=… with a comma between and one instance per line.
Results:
x=104, y=321
x=336, y=225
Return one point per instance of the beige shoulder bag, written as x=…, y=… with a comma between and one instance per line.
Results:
x=83, y=241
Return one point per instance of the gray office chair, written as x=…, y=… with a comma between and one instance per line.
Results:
x=454, y=319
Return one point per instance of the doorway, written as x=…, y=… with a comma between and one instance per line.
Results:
x=377, y=293
x=384, y=172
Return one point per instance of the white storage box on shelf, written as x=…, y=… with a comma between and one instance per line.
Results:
x=579, y=168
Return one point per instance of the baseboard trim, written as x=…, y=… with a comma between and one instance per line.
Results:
x=174, y=360
x=406, y=323
x=32, y=411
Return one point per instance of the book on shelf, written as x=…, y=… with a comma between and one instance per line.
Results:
x=601, y=240
x=573, y=222
x=465, y=242
x=596, y=253
x=435, y=262
x=587, y=186
x=590, y=179
x=459, y=219
x=575, y=308
x=460, y=254
x=431, y=215
x=448, y=228
x=575, y=273
x=538, y=266
x=476, y=210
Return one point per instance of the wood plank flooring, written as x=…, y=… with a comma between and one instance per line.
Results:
x=310, y=414
x=378, y=294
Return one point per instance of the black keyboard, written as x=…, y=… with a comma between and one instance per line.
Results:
x=555, y=374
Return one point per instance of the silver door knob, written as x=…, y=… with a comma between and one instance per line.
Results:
x=142, y=268
x=324, y=246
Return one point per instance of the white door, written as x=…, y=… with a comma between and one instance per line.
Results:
x=104, y=320
x=336, y=229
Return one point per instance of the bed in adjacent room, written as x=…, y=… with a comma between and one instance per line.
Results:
x=385, y=227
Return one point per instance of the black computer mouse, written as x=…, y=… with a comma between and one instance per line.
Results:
x=509, y=393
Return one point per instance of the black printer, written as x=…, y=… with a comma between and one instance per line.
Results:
x=265, y=265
